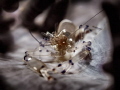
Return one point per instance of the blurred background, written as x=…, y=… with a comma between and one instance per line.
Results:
x=17, y=17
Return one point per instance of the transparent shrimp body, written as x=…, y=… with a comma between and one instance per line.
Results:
x=62, y=48
x=37, y=65
x=34, y=63
x=63, y=41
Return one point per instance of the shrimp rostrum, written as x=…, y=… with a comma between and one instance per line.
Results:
x=60, y=49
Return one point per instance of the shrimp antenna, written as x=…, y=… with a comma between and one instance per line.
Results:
x=34, y=37
x=93, y=17
x=88, y=21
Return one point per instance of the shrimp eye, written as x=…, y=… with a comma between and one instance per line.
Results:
x=83, y=41
x=27, y=58
x=90, y=30
x=88, y=48
x=25, y=52
x=80, y=26
x=86, y=27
